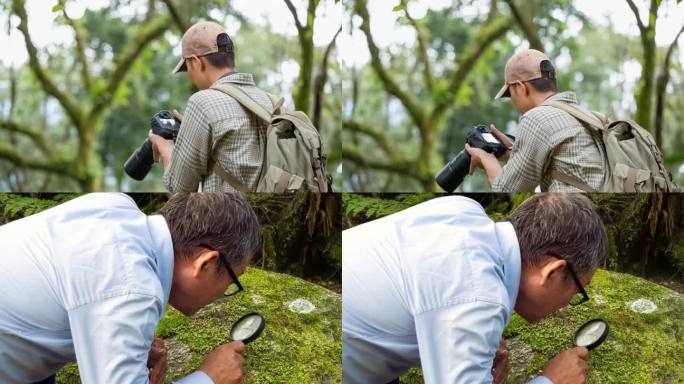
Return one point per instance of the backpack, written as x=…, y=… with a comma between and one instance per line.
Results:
x=633, y=162
x=294, y=159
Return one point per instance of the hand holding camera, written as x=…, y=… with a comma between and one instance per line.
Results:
x=481, y=140
x=164, y=127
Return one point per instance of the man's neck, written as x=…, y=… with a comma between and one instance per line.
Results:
x=221, y=73
x=540, y=98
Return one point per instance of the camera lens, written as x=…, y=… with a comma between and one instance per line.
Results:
x=452, y=175
x=139, y=164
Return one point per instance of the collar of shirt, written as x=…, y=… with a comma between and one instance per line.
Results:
x=568, y=97
x=163, y=252
x=508, y=241
x=236, y=78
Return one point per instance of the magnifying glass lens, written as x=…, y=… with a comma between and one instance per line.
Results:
x=248, y=328
x=591, y=334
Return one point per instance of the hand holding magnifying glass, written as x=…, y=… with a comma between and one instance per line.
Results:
x=248, y=328
x=591, y=334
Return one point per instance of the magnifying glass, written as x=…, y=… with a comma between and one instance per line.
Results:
x=591, y=334
x=247, y=328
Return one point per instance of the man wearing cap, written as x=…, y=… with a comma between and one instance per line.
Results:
x=216, y=131
x=552, y=150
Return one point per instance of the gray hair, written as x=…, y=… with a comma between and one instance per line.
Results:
x=221, y=221
x=565, y=225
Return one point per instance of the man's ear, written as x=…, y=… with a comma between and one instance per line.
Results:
x=552, y=268
x=205, y=261
x=196, y=63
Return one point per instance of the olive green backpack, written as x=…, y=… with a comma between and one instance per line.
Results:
x=294, y=159
x=633, y=162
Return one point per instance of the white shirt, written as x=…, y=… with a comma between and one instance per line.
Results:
x=85, y=281
x=431, y=286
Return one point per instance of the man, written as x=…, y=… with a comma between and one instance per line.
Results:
x=552, y=150
x=215, y=127
x=89, y=280
x=435, y=286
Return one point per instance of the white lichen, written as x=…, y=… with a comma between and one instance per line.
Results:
x=300, y=306
x=643, y=306
x=258, y=300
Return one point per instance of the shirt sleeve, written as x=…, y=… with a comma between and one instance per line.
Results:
x=530, y=156
x=197, y=377
x=540, y=380
x=457, y=344
x=127, y=323
x=191, y=154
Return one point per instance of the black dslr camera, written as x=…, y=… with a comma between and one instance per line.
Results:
x=139, y=164
x=452, y=175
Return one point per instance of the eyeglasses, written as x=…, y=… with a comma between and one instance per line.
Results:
x=235, y=287
x=581, y=296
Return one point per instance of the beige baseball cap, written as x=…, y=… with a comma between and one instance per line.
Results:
x=199, y=40
x=523, y=66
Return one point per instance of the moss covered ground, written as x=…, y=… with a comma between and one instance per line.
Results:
x=294, y=347
x=641, y=348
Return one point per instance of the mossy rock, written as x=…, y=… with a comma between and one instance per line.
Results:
x=294, y=347
x=641, y=347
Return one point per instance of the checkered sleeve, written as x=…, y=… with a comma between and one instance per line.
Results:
x=191, y=154
x=531, y=153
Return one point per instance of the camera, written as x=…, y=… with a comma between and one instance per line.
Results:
x=139, y=164
x=452, y=175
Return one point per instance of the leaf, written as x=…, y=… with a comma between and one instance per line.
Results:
x=398, y=8
x=57, y=7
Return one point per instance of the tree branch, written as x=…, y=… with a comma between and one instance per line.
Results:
x=60, y=167
x=80, y=48
x=320, y=81
x=69, y=105
x=37, y=137
x=527, y=26
x=422, y=49
x=412, y=107
x=661, y=87
x=182, y=23
x=635, y=10
x=402, y=167
x=147, y=32
x=379, y=137
x=487, y=35
x=293, y=10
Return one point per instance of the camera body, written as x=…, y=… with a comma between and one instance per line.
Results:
x=141, y=161
x=480, y=136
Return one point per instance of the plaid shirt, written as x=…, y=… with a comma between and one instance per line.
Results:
x=550, y=139
x=216, y=126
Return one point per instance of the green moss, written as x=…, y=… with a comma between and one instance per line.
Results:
x=361, y=208
x=13, y=207
x=294, y=348
x=641, y=348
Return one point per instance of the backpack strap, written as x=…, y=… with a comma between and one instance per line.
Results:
x=245, y=100
x=577, y=113
x=248, y=102
x=230, y=179
x=570, y=180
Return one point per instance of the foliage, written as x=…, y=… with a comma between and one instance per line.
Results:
x=294, y=348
